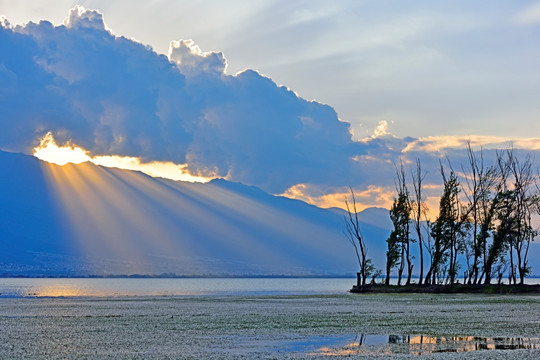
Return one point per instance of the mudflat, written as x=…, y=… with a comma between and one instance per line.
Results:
x=438, y=326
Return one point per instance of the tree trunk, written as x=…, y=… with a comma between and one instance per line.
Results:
x=401, y=265
x=451, y=270
x=487, y=280
x=409, y=264
x=512, y=268
x=421, y=258
x=388, y=271
x=427, y=280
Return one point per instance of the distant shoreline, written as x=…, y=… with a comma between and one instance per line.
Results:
x=449, y=289
x=174, y=276
x=205, y=276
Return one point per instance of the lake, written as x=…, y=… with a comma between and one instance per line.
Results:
x=118, y=287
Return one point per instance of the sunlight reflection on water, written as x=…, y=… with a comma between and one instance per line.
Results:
x=416, y=344
x=117, y=287
x=101, y=287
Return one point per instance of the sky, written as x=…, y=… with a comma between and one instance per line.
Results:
x=366, y=83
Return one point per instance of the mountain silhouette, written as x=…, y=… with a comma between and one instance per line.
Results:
x=84, y=219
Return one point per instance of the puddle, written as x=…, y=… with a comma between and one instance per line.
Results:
x=414, y=344
x=374, y=345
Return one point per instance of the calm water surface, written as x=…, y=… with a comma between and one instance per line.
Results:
x=15, y=287
x=98, y=287
x=374, y=345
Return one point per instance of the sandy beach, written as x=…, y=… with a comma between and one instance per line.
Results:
x=272, y=327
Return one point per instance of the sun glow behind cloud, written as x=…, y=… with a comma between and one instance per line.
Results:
x=48, y=150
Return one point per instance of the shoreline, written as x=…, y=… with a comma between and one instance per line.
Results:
x=448, y=289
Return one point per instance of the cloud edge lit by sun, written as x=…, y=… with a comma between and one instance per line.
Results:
x=49, y=151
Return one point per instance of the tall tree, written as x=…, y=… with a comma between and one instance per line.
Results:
x=448, y=229
x=503, y=234
x=480, y=181
x=489, y=207
x=526, y=201
x=398, y=250
x=355, y=237
x=472, y=180
x=419, y=212
x=405, y=221
x=495, y=219
x=516, y=200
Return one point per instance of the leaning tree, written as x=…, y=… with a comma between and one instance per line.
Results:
x=355, y=237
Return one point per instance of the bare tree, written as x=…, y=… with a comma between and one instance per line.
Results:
x=355, y=237
x=472, y=192
x=404, y=210
x=516, y=200
x=419, y=212
x=480, y=182
x=526, y=201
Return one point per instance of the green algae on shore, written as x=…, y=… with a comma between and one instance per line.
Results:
x=251, y=327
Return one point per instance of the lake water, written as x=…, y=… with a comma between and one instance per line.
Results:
x=375, y=344
x=118, y=287
x=101, y=287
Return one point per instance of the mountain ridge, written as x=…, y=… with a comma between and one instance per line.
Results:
x=84, y=219
x=89, y=220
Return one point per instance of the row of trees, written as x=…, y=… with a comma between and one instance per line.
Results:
x=485, y=218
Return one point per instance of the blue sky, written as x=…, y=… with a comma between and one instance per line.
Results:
x=413, y=79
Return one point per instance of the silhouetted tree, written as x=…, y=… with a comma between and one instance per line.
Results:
x=448, y=229
x=355, y=237
x=418, y=212
x=480, y=181
x=489, y=210
x=526, y=200
x=486, y=217
x=400, y=214
x=502, y=236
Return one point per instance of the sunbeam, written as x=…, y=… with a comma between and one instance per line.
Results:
x=126, y=222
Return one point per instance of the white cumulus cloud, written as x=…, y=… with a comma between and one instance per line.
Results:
x=192, y=61
x=110, y=95
x=81, y=17
x=113, y=96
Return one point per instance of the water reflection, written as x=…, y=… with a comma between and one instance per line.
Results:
x=422, y=344
x=115, y=287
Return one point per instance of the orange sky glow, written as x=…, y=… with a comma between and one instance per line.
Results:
x=48, y=150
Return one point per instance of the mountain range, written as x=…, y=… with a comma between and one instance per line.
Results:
x=88, y=220
x=85, y=220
